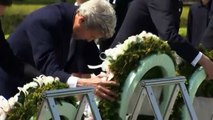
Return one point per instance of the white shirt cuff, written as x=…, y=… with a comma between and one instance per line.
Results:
x=197, y=59
x=72, y=81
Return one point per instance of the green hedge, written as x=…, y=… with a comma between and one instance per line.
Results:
x=184, y=16
x=19, y=10
x=182, y=31
x=39, y=1
x=10, y=22
x=15, y=14
x=34, y=1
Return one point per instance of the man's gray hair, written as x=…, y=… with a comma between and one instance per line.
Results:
x=99, y=15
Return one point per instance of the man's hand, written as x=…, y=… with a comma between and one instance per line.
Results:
x=208, y=66
x=101, y=86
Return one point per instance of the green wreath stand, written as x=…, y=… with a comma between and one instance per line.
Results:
x=194, y=82
x=165, y=63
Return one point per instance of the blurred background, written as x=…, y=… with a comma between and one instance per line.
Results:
x=20, y=8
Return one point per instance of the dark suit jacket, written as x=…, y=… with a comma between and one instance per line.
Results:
x=43, y=40
x=198, y=19
x=163, y=16
x=207, y=39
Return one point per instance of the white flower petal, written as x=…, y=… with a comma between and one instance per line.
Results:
x=110, y=76
x=39, y=81
x=33, y=84
x=12, y=102
x=4, y=104
x=48, y=80
x=3, y=115
x=57, y=79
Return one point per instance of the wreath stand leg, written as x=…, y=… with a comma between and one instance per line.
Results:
x=49, y=103
x=194, y=82
x=147, y=90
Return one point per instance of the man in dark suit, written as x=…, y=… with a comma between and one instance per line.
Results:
x=165, y=17
x=198, y=19
x=50, y=39
x=9, y=62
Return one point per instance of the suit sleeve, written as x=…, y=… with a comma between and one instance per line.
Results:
x=165, y=15
x=40, y=33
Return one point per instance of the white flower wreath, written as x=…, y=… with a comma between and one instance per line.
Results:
x=124, y=58
x=38, y=82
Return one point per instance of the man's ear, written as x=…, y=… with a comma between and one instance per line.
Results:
x=81, y=19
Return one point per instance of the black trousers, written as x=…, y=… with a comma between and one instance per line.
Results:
x=10, y=82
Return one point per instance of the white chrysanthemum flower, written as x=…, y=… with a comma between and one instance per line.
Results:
x=129, y=40
x=148, y=35
x=57, y=79
x=123, y=47
x=24, y=90
x=110, y=75
x=3, y=114
x=48, y=80
x=4, y=104
x=142, y=34
x=132, y=39
x=105, y=65
x=155, y=37
x=27, y=86
x=13, y=100
x=33, y=84
x=39, y=80
x=114, y=56
x=108, y=52
x=118, y=46
x=118, y=52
